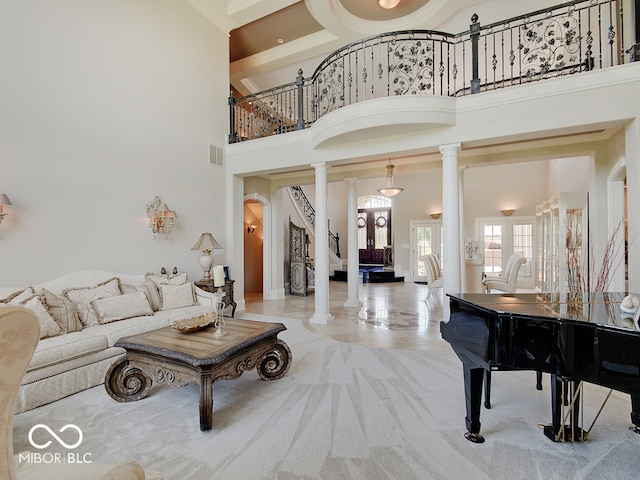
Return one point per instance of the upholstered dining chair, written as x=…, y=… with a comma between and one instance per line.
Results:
x=508, y=278
x=433, y=273
x=19, y=335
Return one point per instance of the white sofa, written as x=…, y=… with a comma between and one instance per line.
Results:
x=67, y=363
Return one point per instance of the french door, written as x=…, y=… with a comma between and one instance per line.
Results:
x=426, y=238
x=500, y=238
x=374, y=233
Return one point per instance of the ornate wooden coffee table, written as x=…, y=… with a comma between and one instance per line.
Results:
x=166, y=355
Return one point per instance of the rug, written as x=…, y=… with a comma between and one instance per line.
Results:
x=343, y=411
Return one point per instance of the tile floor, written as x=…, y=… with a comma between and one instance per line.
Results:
x=392, y=315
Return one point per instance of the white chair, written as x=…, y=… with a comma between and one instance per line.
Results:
x=433, y=273
x=508, y=278
x=19, y=335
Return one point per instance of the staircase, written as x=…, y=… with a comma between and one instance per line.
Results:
x=308, y=215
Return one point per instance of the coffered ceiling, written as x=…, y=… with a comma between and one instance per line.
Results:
x=271, y=39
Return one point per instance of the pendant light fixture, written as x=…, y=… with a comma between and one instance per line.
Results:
x=390, y=188
x=388, y=4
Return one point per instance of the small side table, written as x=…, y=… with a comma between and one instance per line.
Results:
x=227, y=288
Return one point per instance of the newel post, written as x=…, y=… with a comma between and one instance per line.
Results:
x=233, y=135
x=300, y=84
x=475, y=36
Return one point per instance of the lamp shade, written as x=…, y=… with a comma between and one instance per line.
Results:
x=206, y=242
x=4, y=200
x=390, y=188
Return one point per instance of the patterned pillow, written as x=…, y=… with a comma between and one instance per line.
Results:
x=48, y=326
x=149, y=288
x=16, y=298
x=177, y=296
x=82, y=298
x=160, y=279
x=129, y=305
x=62, y=311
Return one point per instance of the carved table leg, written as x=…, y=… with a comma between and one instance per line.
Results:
x=126, y=384
x=275, y=363
x=206, y=402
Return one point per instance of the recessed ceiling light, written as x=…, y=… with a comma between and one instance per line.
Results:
x=280, y=40
x=388, y=4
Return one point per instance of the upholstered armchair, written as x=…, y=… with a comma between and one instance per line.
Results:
x=433, y=273
x=508, y=278
x=19, y=335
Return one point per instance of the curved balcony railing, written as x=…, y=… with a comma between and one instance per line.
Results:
x=573, y=37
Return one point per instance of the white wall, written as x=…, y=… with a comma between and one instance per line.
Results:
x=104, y=105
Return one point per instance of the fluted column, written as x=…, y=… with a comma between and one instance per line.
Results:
x=451, y=219
x=321, y=259
x=353, y=259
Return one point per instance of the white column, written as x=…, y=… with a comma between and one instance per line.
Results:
x=321, y=259
x=463, y=265
x=451, y=221
x=353, y=259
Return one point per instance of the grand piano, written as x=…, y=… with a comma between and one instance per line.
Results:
x=584, y=339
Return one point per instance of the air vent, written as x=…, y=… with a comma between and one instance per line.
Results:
x=216, y=156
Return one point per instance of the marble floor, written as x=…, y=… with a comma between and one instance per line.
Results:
x=392, y=315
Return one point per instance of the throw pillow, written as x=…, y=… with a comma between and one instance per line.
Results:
x=177, y=296
x=18, y=297
x=149, y=288
x=82, y=298
x=48, y=326
x=160, y=279
x=62, y=311
x=128, y=305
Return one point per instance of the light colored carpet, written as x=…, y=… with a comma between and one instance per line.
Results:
x=346, y=411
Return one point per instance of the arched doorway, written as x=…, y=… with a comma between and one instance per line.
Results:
x=374, y=228
x=256, y=244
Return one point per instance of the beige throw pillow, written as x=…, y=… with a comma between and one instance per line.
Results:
x=48, y=326
x=62, y=311
x=16, y=298
x=149, y=288
x=160, y=279
x=177, y=296
x=129, y=305
x=82, y=298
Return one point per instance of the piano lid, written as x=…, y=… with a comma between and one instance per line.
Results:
x=588, y=307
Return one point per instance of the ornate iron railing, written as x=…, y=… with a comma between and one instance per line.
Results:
x=310, y=214
x=573, y=37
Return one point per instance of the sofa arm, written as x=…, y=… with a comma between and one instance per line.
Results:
x=205, y=298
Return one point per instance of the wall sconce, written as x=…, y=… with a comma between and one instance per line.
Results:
x=436, y=216
x=161, y=219
x=508, y=212
x=251, y=228
x=4, y=200
x=206, y=243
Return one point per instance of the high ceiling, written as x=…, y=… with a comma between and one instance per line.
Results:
x=271, y=39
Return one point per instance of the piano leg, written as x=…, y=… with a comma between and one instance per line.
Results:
x=473, y=379
x=635, y=413
x=487, y=389
x=558, y=431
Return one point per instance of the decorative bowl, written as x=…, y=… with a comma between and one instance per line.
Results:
x=194, y=324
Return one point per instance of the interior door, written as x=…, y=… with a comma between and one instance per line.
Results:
x=297, y=258
x=374, y=233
